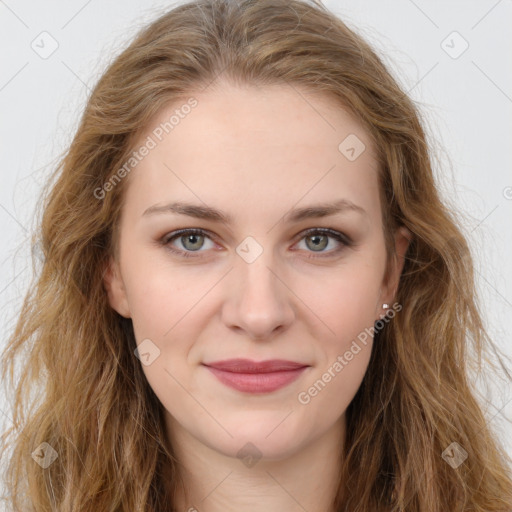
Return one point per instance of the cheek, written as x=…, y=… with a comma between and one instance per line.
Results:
x=346, y=299
x=346, y=302
x=332, y=389
x=161, y=296
x=348, y=308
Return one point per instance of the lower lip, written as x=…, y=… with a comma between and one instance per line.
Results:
x=257, y=382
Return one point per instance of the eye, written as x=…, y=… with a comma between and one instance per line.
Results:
x=317, y=239
x=193, y=240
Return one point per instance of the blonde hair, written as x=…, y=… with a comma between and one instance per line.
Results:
x=95, y=407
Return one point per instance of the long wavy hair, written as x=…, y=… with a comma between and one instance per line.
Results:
x=80, y=388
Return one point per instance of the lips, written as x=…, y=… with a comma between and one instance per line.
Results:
x=248, y=366
x=256, y=377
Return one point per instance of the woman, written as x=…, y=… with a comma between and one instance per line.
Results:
x=252, y=296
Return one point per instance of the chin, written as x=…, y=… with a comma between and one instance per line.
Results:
x=262, y=438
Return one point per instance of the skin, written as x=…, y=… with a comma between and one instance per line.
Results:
x=256, y=154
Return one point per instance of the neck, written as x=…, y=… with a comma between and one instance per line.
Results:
x=306, y=479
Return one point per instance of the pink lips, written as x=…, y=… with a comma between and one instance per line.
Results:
x=256, y=377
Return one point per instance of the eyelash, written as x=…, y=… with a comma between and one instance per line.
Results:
x=168, y=238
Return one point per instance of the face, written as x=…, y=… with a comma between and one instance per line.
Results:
x=268, y=271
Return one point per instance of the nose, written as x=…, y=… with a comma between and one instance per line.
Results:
x=259, y=302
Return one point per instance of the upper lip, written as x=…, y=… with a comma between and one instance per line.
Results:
x=248, y=366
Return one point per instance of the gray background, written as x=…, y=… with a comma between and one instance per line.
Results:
x=465, y=96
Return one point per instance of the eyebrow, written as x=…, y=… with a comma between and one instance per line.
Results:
x=215, y=215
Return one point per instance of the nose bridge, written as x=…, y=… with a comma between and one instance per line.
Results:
x=258, y=302
x=259, y=281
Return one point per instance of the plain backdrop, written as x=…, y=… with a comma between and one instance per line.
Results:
x=453, y=58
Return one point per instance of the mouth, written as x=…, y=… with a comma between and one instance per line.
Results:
x=256, y=377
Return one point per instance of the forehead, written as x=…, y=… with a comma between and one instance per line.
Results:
x=249, y=147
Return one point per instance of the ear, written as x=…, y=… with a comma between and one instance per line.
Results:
x=114, y=286
x=390, y=285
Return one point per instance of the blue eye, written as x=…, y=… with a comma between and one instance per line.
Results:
x=192, y=240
